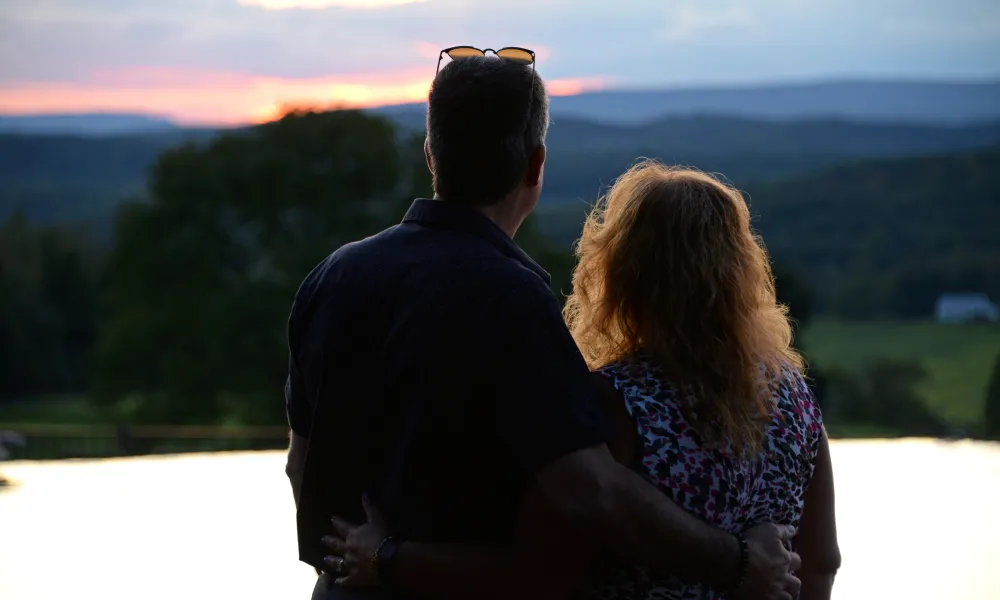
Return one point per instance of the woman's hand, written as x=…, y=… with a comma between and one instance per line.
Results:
x=354, y=548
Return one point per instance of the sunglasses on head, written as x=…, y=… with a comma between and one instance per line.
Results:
x=519, y=55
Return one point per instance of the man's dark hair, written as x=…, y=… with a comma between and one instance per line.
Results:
x=485, y=117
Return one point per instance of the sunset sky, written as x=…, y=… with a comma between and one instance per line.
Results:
x=227, y=61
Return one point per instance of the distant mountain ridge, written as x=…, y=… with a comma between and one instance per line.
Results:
x=926, y=102
x=85, y=124
x=584, y=156
x=867, y=101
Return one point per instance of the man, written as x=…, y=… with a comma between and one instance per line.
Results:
x=430, y=367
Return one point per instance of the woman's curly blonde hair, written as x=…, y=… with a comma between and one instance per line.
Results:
x=668, y=265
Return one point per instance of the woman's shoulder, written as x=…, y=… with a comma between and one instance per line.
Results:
x=794, y=396
x=636, y=367
x=641, y=387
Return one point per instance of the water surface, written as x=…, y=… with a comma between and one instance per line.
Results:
x=918, y=519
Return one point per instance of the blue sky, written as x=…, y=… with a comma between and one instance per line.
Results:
x=228, y=59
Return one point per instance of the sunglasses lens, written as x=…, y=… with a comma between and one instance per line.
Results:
x=464, y=52
x=517, y=55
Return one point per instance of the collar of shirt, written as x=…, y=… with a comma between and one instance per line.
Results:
x=437, y=213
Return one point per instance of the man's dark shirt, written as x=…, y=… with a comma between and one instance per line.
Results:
x=430, y=366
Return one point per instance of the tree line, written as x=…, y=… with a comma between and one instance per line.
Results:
x=881, y=218
x=180, y=316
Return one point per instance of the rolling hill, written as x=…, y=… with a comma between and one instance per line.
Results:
x=77, y=178
x=84, y=124
x=875, y=237
x=889, y=236
x=584, y=156
x=61, y=177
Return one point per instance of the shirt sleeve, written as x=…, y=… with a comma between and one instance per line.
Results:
x=547, y=403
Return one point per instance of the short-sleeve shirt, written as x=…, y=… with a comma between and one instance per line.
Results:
x=430, y=367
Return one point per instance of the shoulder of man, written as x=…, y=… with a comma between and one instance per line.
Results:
x=514, y=283
x=519, y=304
x=343, y=262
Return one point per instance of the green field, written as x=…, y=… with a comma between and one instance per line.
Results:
x=958, y=358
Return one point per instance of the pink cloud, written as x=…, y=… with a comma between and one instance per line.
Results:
x=221, y=97
x=574, y=86
x=428, y=50
x=542, y=53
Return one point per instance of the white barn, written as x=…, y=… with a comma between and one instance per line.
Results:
x=962, y=308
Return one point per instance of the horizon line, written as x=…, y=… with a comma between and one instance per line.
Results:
x=773, y=84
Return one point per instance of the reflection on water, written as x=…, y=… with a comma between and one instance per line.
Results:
x=918, y=519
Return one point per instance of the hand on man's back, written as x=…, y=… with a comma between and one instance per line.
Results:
x=770, y=571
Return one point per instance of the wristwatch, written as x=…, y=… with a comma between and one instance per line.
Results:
x=384, y=562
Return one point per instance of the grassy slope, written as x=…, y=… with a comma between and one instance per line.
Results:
x=958, y=358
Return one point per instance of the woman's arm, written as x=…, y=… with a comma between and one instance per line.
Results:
x=816, y=541
x=548, y=559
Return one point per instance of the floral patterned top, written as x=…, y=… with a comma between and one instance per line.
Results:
x=708, y=480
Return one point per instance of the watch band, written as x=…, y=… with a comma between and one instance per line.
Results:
x=383, y=562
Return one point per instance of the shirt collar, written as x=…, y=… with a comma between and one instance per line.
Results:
x=438, y=213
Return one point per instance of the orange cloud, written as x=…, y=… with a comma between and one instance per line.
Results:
x=209, y=97
x=572, y=87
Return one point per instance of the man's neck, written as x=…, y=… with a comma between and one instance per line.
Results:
x=503, y=214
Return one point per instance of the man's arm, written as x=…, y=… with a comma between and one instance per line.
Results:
x=637, y=520
x=550, y=414
x=641, y=523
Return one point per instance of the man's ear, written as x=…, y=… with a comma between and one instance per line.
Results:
x=427, y=155
x=536, y=162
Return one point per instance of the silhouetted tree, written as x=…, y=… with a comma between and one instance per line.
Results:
x=794, y=291
x=202, y=277
x=48, y=307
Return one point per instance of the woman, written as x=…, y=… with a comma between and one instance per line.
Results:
x=674, y=308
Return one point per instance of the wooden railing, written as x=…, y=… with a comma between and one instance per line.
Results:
x=79, y=441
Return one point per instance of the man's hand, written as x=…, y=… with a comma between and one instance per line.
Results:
x=770, y=570
x=354, y=548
